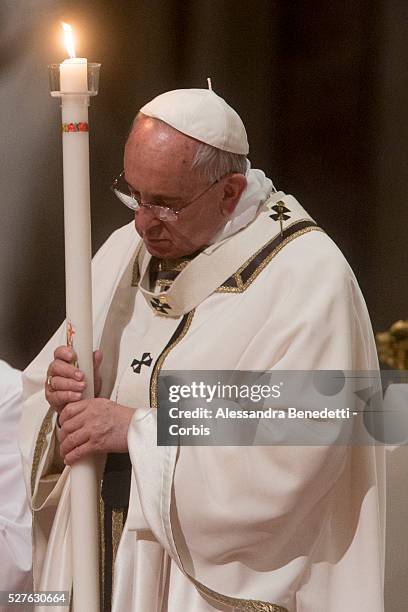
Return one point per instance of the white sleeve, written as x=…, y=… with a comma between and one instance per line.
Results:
x=15, y=516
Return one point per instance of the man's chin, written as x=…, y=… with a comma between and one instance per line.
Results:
x=159, y=248
x=166, y=249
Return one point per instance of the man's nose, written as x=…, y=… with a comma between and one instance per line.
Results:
x=146, y=220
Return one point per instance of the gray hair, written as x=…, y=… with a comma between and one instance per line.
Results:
x=212, y=164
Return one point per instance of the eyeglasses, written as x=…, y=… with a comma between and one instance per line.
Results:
x=133, y=201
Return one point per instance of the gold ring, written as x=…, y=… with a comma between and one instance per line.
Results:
x=49, y=382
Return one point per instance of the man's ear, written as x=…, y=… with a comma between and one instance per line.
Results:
x=234, y=185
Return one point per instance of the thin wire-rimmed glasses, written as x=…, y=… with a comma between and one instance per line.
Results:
x=133, y=201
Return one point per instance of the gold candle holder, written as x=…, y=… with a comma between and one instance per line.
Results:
x=392, y=345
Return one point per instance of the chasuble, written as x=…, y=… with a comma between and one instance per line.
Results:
x=267, y=528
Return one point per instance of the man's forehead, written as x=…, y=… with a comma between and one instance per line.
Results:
x=159, y=161
x=147, y=129
x=154, y=147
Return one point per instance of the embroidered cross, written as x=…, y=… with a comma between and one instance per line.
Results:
x=159, y=305
x=280, y=215
x=70, y=334
x=70, y=339
x=136, y=364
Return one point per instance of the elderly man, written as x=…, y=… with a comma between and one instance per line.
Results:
x=227, y=275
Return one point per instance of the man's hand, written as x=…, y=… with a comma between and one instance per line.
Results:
x=93, y=426
x=65, y=383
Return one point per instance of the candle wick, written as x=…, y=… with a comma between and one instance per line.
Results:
x=209, y=84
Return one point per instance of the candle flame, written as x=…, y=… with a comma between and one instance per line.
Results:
x=69, y=39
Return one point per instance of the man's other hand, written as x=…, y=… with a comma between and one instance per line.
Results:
x=93, y=426
x=65, y=383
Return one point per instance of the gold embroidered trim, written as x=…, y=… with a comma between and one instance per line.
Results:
x=244, y=265
x=163, y=282
x=117, y=528
x=176, y=265
x=159, y=363
x=135, y=269
x=102, y=546
x=246, y=605
x=46, y=427
x=241, y=286
x=135, y=274
x=117, y=521
x=169, y=265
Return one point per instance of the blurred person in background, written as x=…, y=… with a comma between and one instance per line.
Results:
x=15, y=515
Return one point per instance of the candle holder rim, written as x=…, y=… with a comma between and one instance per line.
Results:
x=92, y=84
x=89, y=64
x=71, y=94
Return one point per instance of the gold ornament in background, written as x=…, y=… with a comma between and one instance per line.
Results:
x=392, y=345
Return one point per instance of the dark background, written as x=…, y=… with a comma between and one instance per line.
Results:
x=321, y=86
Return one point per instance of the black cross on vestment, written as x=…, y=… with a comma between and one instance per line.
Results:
x=160, y=306
x=281, y=211
x=281, y=215
x=136, y=364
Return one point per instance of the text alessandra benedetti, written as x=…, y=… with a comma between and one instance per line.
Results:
x=267, y=413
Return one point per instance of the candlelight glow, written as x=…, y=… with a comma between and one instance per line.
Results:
x=69, y=39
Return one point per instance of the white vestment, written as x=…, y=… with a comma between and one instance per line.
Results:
x=15, y=515
x=268, y=528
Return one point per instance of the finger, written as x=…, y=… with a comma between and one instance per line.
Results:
x=97, y=357
x=79, y=453
x=59, y=399
x=72, y=409
x=59, y=383
x=73, y=440
x=71, y=425
x=67, y=370
x=65, y=353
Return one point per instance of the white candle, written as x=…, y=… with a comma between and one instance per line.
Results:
x=73, y=75
x=77, y=222
x=73, y=71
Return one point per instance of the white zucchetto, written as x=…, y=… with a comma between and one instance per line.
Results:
x=203, y=115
